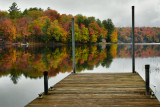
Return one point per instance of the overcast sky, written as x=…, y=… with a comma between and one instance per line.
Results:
x=147, y=12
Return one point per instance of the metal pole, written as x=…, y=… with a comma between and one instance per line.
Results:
x=45, y=73
x=73, y=46
x=133, y=42
x=147, y=78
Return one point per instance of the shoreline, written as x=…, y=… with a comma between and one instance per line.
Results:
x=61, y=44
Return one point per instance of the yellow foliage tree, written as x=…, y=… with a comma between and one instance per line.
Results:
x=57, y=31
x=114, y=37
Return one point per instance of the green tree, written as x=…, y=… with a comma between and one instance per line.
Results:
x=89, y=20
x=45, y=37
x=99, y=23
x=48, y=8
x=86, y=22
x=25, y=12
x=79, y=19
x=35, y=9
x=108, y=24
x=14, y=11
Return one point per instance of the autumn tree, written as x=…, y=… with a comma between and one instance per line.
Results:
x=65, y=18
x=104, y=33
x=65, y=21
x=35, y=14
x=92, y=36
x=52, y=14
x=142, y=34
x=35, y=26
x=113, y=37
x=3, y=14
x=77, y=33
x=35, y=30
x=57, y=32
x=96, y=29
x=7, y=30
x=21, y=26
x=84, y=34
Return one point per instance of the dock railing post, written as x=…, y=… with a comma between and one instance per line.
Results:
x=147, y=78
x=133, y=42
x=45, y=73
x=73, y=46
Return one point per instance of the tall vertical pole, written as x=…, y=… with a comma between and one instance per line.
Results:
x=133, y=42
x=147, y=78
x=45, y=73
x=73, y=46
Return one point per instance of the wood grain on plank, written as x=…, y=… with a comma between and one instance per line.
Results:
x=98, y=90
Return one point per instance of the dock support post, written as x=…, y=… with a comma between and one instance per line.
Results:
x=73, y=46
x=133, y=42
x=147, y=78
x=45, y=73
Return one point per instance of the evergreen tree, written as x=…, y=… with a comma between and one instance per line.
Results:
x=110, y=27
x=89, y=20
x=80, y=19
x=25, y=12
x=14, y=11
x=48, y=8
x=86, y=22
x=99, y=23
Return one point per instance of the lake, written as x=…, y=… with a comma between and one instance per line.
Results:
x=21, y=68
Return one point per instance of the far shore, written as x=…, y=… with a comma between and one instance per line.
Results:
x=60, y=44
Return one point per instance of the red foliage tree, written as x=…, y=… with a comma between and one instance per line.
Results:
x=52, y=14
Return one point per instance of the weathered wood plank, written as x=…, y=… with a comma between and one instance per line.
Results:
x=92, y=90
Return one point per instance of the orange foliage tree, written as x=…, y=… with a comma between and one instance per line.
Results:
x=7, y=30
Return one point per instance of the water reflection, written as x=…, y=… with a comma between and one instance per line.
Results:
x=32, y=61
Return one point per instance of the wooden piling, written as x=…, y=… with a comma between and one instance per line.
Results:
x=45, y=82
x=73, y=46
x=98, y=90
x=133, y=42
x=147, y=78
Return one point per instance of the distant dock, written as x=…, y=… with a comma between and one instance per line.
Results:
x=98, y=90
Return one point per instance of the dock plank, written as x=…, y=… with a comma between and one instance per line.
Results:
x=98, y=90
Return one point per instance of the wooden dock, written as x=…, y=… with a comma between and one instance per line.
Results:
x=98, y=90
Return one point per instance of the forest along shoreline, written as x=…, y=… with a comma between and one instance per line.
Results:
x=39, y=26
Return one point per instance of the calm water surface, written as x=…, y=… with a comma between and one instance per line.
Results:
x=21, y=68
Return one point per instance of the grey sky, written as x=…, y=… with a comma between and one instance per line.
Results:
x=147, y=12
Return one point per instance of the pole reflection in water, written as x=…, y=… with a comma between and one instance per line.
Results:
x=21, y=69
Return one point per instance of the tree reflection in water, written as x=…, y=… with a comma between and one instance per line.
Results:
x=32, y=61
